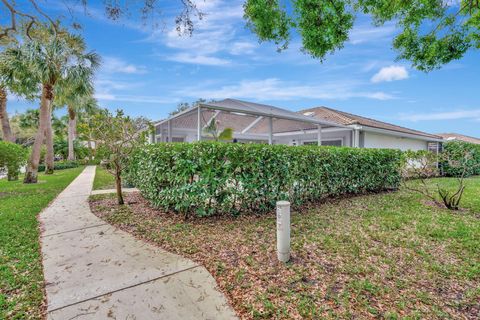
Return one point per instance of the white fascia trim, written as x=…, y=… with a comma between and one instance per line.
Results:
x=399, y=134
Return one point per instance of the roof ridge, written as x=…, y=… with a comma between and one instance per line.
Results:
x=350, y=115
x=351, y=120
x=457, y=134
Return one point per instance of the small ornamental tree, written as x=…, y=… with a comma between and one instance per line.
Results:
x=422, y=165
x=12, y=157
x=117, y=137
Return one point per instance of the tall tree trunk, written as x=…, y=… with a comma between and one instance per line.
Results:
x=7, y=131
x=72, y=124
x=31, y=174
x=50, y=155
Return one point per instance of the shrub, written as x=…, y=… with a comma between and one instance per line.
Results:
x=12, y=157
x=60, y=147
x=89, y=162
x=216, y=178
x=60, y=165
x=456, y=151
x=422, y=165
x=419, y=164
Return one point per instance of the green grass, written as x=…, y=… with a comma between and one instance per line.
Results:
x=21, y=275
x=390, y=255
x=103, y=179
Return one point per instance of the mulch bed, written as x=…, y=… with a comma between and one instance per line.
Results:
x=339, y=268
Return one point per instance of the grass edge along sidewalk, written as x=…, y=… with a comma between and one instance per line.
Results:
x=21, y=273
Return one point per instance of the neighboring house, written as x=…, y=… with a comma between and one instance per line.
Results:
x=253, y=122
x=459, y=137
x=371, y=133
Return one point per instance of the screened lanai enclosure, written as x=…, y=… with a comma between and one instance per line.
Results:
x=251, y=123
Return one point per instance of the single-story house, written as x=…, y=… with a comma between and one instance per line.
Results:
x=260, y=123
x=458, y=137
x=371, y=133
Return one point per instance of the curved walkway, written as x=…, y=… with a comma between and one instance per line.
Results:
x=95, y=271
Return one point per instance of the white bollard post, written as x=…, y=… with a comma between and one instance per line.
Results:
x=283, y=230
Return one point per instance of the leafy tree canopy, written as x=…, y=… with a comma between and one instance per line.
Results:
x=432, y=32
x=182, y=106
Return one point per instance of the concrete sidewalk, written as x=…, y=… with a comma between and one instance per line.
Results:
x=95, y=271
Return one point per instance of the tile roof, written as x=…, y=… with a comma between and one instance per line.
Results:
x=460, y=137
x=346, y=118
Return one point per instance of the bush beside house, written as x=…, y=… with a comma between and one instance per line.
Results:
x=208, y=178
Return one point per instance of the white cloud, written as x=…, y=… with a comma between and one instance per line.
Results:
x=242, y=48
x=275, y=89
x=213, y=39
x=391, y=73
x=198, y=59
x=117, y=65
x=105, y=96
x=449, y=115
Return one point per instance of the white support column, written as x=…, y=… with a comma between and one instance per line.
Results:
x=151, y=136
x=270, y=130
x=199, y=123
x=169, y=130
x=356, y=138
x=283, y=231
x=319, y=135
x=164, y=134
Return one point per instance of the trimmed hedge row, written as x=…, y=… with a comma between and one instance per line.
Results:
x=208, y=178
x=456, y=150
x=60, y=165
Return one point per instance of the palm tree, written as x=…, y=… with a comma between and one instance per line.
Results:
x=54, y=60
x=86, y=126
x=78, y=97
x=6, y=130
x=213, y=131
x=12, y=78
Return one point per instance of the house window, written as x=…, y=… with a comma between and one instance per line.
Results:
x=176, y=139
x=434, y=147
x=337, y=143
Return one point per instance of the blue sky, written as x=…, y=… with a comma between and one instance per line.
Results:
x=147, y=72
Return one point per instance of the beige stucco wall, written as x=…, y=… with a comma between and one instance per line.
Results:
x=374, y=140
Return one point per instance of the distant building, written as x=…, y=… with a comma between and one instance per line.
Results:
x=459, y=137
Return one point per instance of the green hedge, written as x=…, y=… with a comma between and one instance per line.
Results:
x=60, y=165
x=12, y=157
x=217, y=178
x=456, y=150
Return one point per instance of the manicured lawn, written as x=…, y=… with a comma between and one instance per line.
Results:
x=103, y=179
x=21, y=275
x=376, y=256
